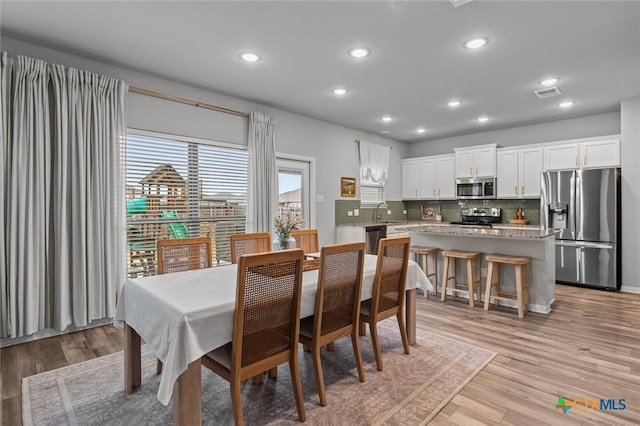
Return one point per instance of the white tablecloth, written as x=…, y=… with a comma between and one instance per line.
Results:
x=184, y=315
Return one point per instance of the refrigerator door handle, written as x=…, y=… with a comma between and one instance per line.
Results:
x=584, y=244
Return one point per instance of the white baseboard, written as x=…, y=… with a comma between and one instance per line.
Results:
x=630, y=289
x=542, y=309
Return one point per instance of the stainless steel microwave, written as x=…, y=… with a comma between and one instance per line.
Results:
x=475, y=188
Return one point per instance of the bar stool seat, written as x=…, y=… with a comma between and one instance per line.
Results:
x=425, y=252
x=469, y=256
x=521, y=295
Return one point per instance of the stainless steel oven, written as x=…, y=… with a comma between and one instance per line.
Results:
x=475, y=188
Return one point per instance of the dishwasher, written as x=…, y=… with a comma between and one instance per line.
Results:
x=373, y=234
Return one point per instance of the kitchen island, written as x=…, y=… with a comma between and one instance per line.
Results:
x=516, y=241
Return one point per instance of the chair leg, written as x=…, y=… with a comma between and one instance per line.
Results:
x=403, y=333
x=273, y=373
x=236, y=402
x=376, y=344
x=355, y=342
x=489, y=285
x=435, y=272
x=159, y=367
x=362, y=329
x=297, y=385
x=445, y=278
x=317, y=367
x=470, y=281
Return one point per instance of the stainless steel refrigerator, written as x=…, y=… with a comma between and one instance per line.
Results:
x=584, y=207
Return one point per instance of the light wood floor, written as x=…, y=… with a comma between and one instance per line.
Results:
x=588, y=347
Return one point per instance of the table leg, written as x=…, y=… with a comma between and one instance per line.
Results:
x=187, y=396
x=132, y=359
x=410, y=307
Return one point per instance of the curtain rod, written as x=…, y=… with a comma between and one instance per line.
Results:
x=358, y=141
x=186, y=101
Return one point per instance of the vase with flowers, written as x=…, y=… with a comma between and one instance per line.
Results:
x=284, y=224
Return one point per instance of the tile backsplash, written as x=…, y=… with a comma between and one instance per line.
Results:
x=450, y=210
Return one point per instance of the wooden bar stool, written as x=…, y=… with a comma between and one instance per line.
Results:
x=469, y=256
x=425, y=252
x=521, y=295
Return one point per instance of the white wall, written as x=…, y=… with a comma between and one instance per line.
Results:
x=331, y=145
x=630, y=130
x=584, y=127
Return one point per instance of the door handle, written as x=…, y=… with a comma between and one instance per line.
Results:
x=585, y=245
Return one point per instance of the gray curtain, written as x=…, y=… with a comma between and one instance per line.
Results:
x=64, y=242
x=263, y=174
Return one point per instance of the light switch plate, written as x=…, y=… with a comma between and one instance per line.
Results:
x=356, y=212
x=388, y=211
x=349, y=213
x=319, y=198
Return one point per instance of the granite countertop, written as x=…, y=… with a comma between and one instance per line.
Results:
x=499, y=231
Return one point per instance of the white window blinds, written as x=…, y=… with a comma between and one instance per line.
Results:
x=374, y=171
x=179, y=188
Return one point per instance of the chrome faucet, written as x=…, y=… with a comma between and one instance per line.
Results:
x=378, y=215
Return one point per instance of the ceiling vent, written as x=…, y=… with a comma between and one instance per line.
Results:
x=549, y=92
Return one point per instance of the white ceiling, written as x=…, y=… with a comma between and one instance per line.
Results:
x=417, y=61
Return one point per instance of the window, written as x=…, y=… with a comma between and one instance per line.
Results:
x=371, y=193
x=178, y=188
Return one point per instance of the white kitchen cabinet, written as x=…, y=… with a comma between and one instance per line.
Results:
x=598, y=154
x=518, y=172
x=428, y=178
x=477, y=161
x=583, y=155
x=410, y=179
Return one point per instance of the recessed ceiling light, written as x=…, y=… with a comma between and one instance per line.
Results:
x=421, y=130
x=566, y=104
x=384, y=132
x=249, y=56
x=549, y=81
x=476, y=43
x=359, y=52
x=482, y=119
x=386, y=119
x=453, y=104
x=339, y=91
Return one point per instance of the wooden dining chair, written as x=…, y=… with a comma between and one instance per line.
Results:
x=337, y=306
x=388, y=291
x=182, y=254
x=306, y=239
x=266, y=324
x=255, y=242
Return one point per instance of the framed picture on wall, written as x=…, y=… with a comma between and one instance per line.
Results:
x=348, y=187
x=427, y=213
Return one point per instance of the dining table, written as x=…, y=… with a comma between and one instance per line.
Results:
x=184, y=315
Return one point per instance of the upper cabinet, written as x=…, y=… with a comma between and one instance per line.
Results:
x=583, y=155
x=428, y=178
x=476, y=161
x=519, y=172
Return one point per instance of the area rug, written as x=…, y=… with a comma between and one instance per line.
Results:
x=410, y=391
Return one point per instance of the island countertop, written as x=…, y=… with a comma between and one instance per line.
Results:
x=485, y=232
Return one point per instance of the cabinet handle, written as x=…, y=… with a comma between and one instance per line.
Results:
x=522, y=190
x=438, y=192
x=585, y=159
x=470, y=170
x=434, y=192
x=416, y=192
x=576, y=160
x=476, y=170
x=515, y=189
